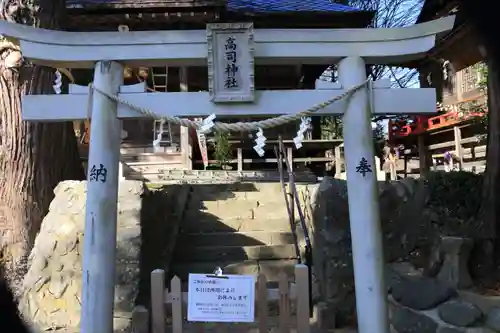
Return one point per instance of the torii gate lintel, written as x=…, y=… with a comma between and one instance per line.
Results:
x=73, y=106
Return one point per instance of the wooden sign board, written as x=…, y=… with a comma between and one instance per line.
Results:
x=228, y=298
x=230, y=62
x=202, y=143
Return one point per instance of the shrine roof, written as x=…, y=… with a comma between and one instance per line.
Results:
x=261, y=6
x=288, y=6
x=457, y=45
x=104, y=15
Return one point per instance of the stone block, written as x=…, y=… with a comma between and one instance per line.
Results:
x=493, y=319
x=327, y=206
x=52, y=286
x=421, y=293
x=408, y=321
x=454, y=271
x=459, y=313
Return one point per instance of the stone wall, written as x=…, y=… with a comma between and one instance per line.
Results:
x=413, y=226
x=328, y=224
x=427, y=305
x=52, y=286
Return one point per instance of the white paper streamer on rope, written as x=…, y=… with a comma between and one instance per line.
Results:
x=159, y=136
x=305, y=124
x=260, y=141
x=207, y=124
x=57, y=82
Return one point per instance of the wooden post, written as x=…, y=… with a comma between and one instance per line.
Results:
x=284, y=304
x=458, y=146
x=381, y=175
x=394, y=175
x=262, y=302
x=338, y=161
x=186, y=141
x=99, y=247
x=183, y=79
x=140, y=319
x=423, y=156
x=291, y=193
x=405, y=165
x=120, y=171
x=458, y=83
x=158, y=300
x=289, y=154
x=302, y=283
x=186, y=148
x=240, y=158
x=175, y=285
x=291, y=179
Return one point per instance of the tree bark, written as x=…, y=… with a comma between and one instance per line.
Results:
x=486, y=25
x=34, y=157
x=490, y=210
x=484, y=262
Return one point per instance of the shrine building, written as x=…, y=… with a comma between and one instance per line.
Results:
x=179, y=148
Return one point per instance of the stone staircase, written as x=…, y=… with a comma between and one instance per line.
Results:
x=242, y=228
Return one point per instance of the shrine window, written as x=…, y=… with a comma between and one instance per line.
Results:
x=472, y=77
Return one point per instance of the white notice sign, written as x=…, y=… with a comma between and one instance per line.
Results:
x=228, y=298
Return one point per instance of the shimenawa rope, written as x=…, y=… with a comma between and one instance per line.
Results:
x=232, y=127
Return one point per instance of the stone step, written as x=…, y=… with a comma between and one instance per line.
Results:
x=270, y=268
x=262, y=192
x=238, y=203
x=243, y=211
x=263, y=196
x=207, y=224
x=243, y=190
x=251, y=238
x=189, y=253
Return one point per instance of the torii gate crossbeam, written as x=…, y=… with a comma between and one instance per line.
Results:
x=108, y=52
x=188, y=47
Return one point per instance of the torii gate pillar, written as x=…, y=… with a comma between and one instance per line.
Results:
x=364, y=215
x=101, y=208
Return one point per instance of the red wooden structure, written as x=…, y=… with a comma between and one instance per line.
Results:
x=420, y=124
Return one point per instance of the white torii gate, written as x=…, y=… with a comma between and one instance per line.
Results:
x=108, y=52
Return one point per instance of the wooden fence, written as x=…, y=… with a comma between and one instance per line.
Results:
x=240, y=147
x=297, y=291
x=470, y=154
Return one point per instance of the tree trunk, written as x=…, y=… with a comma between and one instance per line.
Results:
x=491, y=201
x=35, y=157
x=483, y=259
x=483, y=18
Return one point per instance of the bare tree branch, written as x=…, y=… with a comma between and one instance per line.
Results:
x=388, y=14
x=392, y=14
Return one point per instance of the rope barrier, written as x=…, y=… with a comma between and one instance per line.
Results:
x=233, y=127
